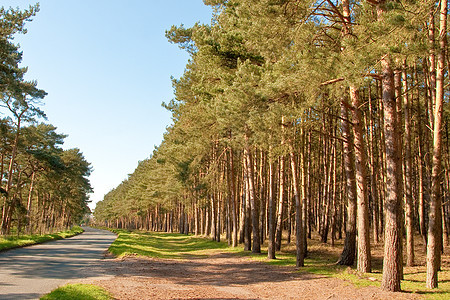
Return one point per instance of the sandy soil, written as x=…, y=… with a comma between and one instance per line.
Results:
x=224, y=276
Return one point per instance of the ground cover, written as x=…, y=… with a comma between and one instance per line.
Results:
x=321, y=259
x=164, y=245
x=27, y=240
x=78, y=291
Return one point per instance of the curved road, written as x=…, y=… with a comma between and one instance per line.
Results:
x=30, y=272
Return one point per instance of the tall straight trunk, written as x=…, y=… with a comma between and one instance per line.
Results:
x=242, y=214
x=202, y=221
x=213, y=217
x=207, y=221
x=248, y=164
x=280, y=205
x=392, y=248
x=408, y=174
x=196, y=221
x=289, y=215
x=435, y=215
x=247, y=217
x=298, y=210
x=180, y=219
x=364, y=257
x=349, y=252
x=398, y=97
x=233, y=197
x=30, y=198
x=373, y=171
x=262, y=197
x=309, y=186
x=304, y=183
x=432, y=61
x=271, y=211
x=218, y=218
x=422, y=190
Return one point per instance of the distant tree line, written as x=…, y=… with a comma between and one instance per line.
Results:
x=305, y=116
x=43, y=187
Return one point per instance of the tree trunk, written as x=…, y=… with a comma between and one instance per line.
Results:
x=392, y=250
x=248, y=164
x=280, y=205
x=271, y=211
x=435, y=220
x=364, y=257
x=408, y=174
x=298, y=210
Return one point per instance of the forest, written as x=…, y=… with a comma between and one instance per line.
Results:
x=44, y=188
x=296, y=118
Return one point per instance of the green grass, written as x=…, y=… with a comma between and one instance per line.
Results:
x=78, y=292
x=26, y=240
x=164, y=245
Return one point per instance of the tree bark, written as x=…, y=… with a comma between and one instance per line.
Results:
x=248, y=165
x=392, y=250
x=280, y=205
x=408, y=174
x=364, y=257
x=349, y=252
x=271, y=211
x=298, y=210
x=435, y=216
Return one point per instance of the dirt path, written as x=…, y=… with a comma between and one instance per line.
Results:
x=29, y=272
x=224, y=276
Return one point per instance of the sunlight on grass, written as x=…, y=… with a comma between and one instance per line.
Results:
x=26, y=240
x=78, y=292
x=164, y=245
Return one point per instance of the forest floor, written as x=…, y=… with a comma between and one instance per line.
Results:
x=225, y=273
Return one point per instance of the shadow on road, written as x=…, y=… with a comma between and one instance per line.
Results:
x=29, y=272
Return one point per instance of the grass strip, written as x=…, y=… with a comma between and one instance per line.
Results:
x=164, y=245
x=12, y=242
x=78, y=292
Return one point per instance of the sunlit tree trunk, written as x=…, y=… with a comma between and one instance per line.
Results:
x=298, y=210
x=364, y=257
x=271, y=210
x=392, y=238
x=435, y=216
x=408, y=174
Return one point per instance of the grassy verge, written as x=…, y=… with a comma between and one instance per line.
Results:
x=26, y=240
x=78, y=292
x=164, y=245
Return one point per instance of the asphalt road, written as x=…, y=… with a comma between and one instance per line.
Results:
x=28, y=273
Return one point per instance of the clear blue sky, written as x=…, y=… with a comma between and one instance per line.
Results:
x=106, y=66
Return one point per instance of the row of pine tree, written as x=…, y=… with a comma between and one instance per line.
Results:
x=302, y=117
x=43, y=187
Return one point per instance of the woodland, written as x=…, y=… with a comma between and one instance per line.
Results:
x=43, y=187
x=305, y=117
